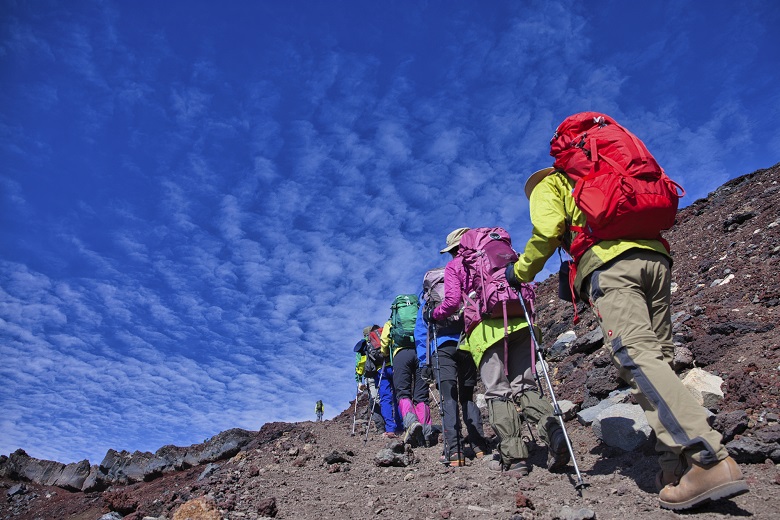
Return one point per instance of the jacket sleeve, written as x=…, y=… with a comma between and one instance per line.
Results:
x=453, y=291
x=385, y=339
x=421, y=332
x=548, y=217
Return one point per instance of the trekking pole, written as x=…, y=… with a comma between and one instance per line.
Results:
x=372, y=400
x=354, y=414
x=556, y=409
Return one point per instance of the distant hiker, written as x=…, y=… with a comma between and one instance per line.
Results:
x=378, y=377
x=627, y=282
x=411, y=390
x=505, y=366
x=319, y=409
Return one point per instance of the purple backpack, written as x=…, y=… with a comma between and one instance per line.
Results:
x=486, y=252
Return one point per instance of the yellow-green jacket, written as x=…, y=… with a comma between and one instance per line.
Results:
x=385, y=341
x=553, y=212
x=489, y=332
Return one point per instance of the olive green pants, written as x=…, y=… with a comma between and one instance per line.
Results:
x=630, y=297
x=518, y=388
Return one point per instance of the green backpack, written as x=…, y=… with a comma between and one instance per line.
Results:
x=403, y=316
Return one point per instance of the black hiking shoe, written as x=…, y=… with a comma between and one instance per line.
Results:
x=517, y=468
x=557, y=452
x=413, y=434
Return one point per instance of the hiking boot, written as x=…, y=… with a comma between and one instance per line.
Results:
x=413, y=434
x=665, y=478
x=557, y=451
x=517, y=468
x=454, y=460
x=480, y=448
x=703, y=483
x=669, y=476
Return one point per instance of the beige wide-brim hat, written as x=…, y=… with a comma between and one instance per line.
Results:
x=535, y=179
x=453, y=239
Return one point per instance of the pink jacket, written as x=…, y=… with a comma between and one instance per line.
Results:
x=454, y=283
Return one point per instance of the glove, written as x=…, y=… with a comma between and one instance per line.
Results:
x=511, y=279
x=427, y=374
x=428, y=314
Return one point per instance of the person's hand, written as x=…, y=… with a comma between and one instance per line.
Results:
x=428, y=314
x=511, y=279
x=427, y=374
x=361, y=387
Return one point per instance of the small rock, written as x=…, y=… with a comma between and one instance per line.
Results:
x=267, y=507
x=587, y=415
x=16, y=489
x=522, y=501
x=567, y=513
x=749, y=450
x=561, y=345
x=731, y=424
x=197, y=509
x=683, y=358
x=335, y=457
x=704, y=387
x=568, y=409
x=208, y=471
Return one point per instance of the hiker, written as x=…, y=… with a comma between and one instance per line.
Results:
x=455, y=375
x=319, y=409
x=411, y=390
x=366, y=378
x=505, y=370
x=627, y=283
x=378, y=378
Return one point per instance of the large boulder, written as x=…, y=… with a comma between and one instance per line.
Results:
x=622, y=426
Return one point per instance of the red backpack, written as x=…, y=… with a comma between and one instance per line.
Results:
x=620, y=188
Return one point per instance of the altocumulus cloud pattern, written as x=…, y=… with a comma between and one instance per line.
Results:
x=203, y=204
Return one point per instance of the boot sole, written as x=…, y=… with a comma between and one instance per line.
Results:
x=728, y=490
x=560, y=460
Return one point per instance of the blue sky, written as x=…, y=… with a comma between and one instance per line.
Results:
x=203, y=203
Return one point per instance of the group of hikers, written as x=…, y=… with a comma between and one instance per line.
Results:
x=604, y=202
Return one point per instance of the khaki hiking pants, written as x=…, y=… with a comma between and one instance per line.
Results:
x=519, y=388
x=630, y=297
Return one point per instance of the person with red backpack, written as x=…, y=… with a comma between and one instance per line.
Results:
x=378, y=377
x=501, y=348
x=606, y=201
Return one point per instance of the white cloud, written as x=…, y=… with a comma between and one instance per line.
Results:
x=262, y=206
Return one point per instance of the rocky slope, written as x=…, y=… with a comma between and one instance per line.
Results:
x=725, y=304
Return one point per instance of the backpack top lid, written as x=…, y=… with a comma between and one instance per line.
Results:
x=475, y=239
x=593, y=143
